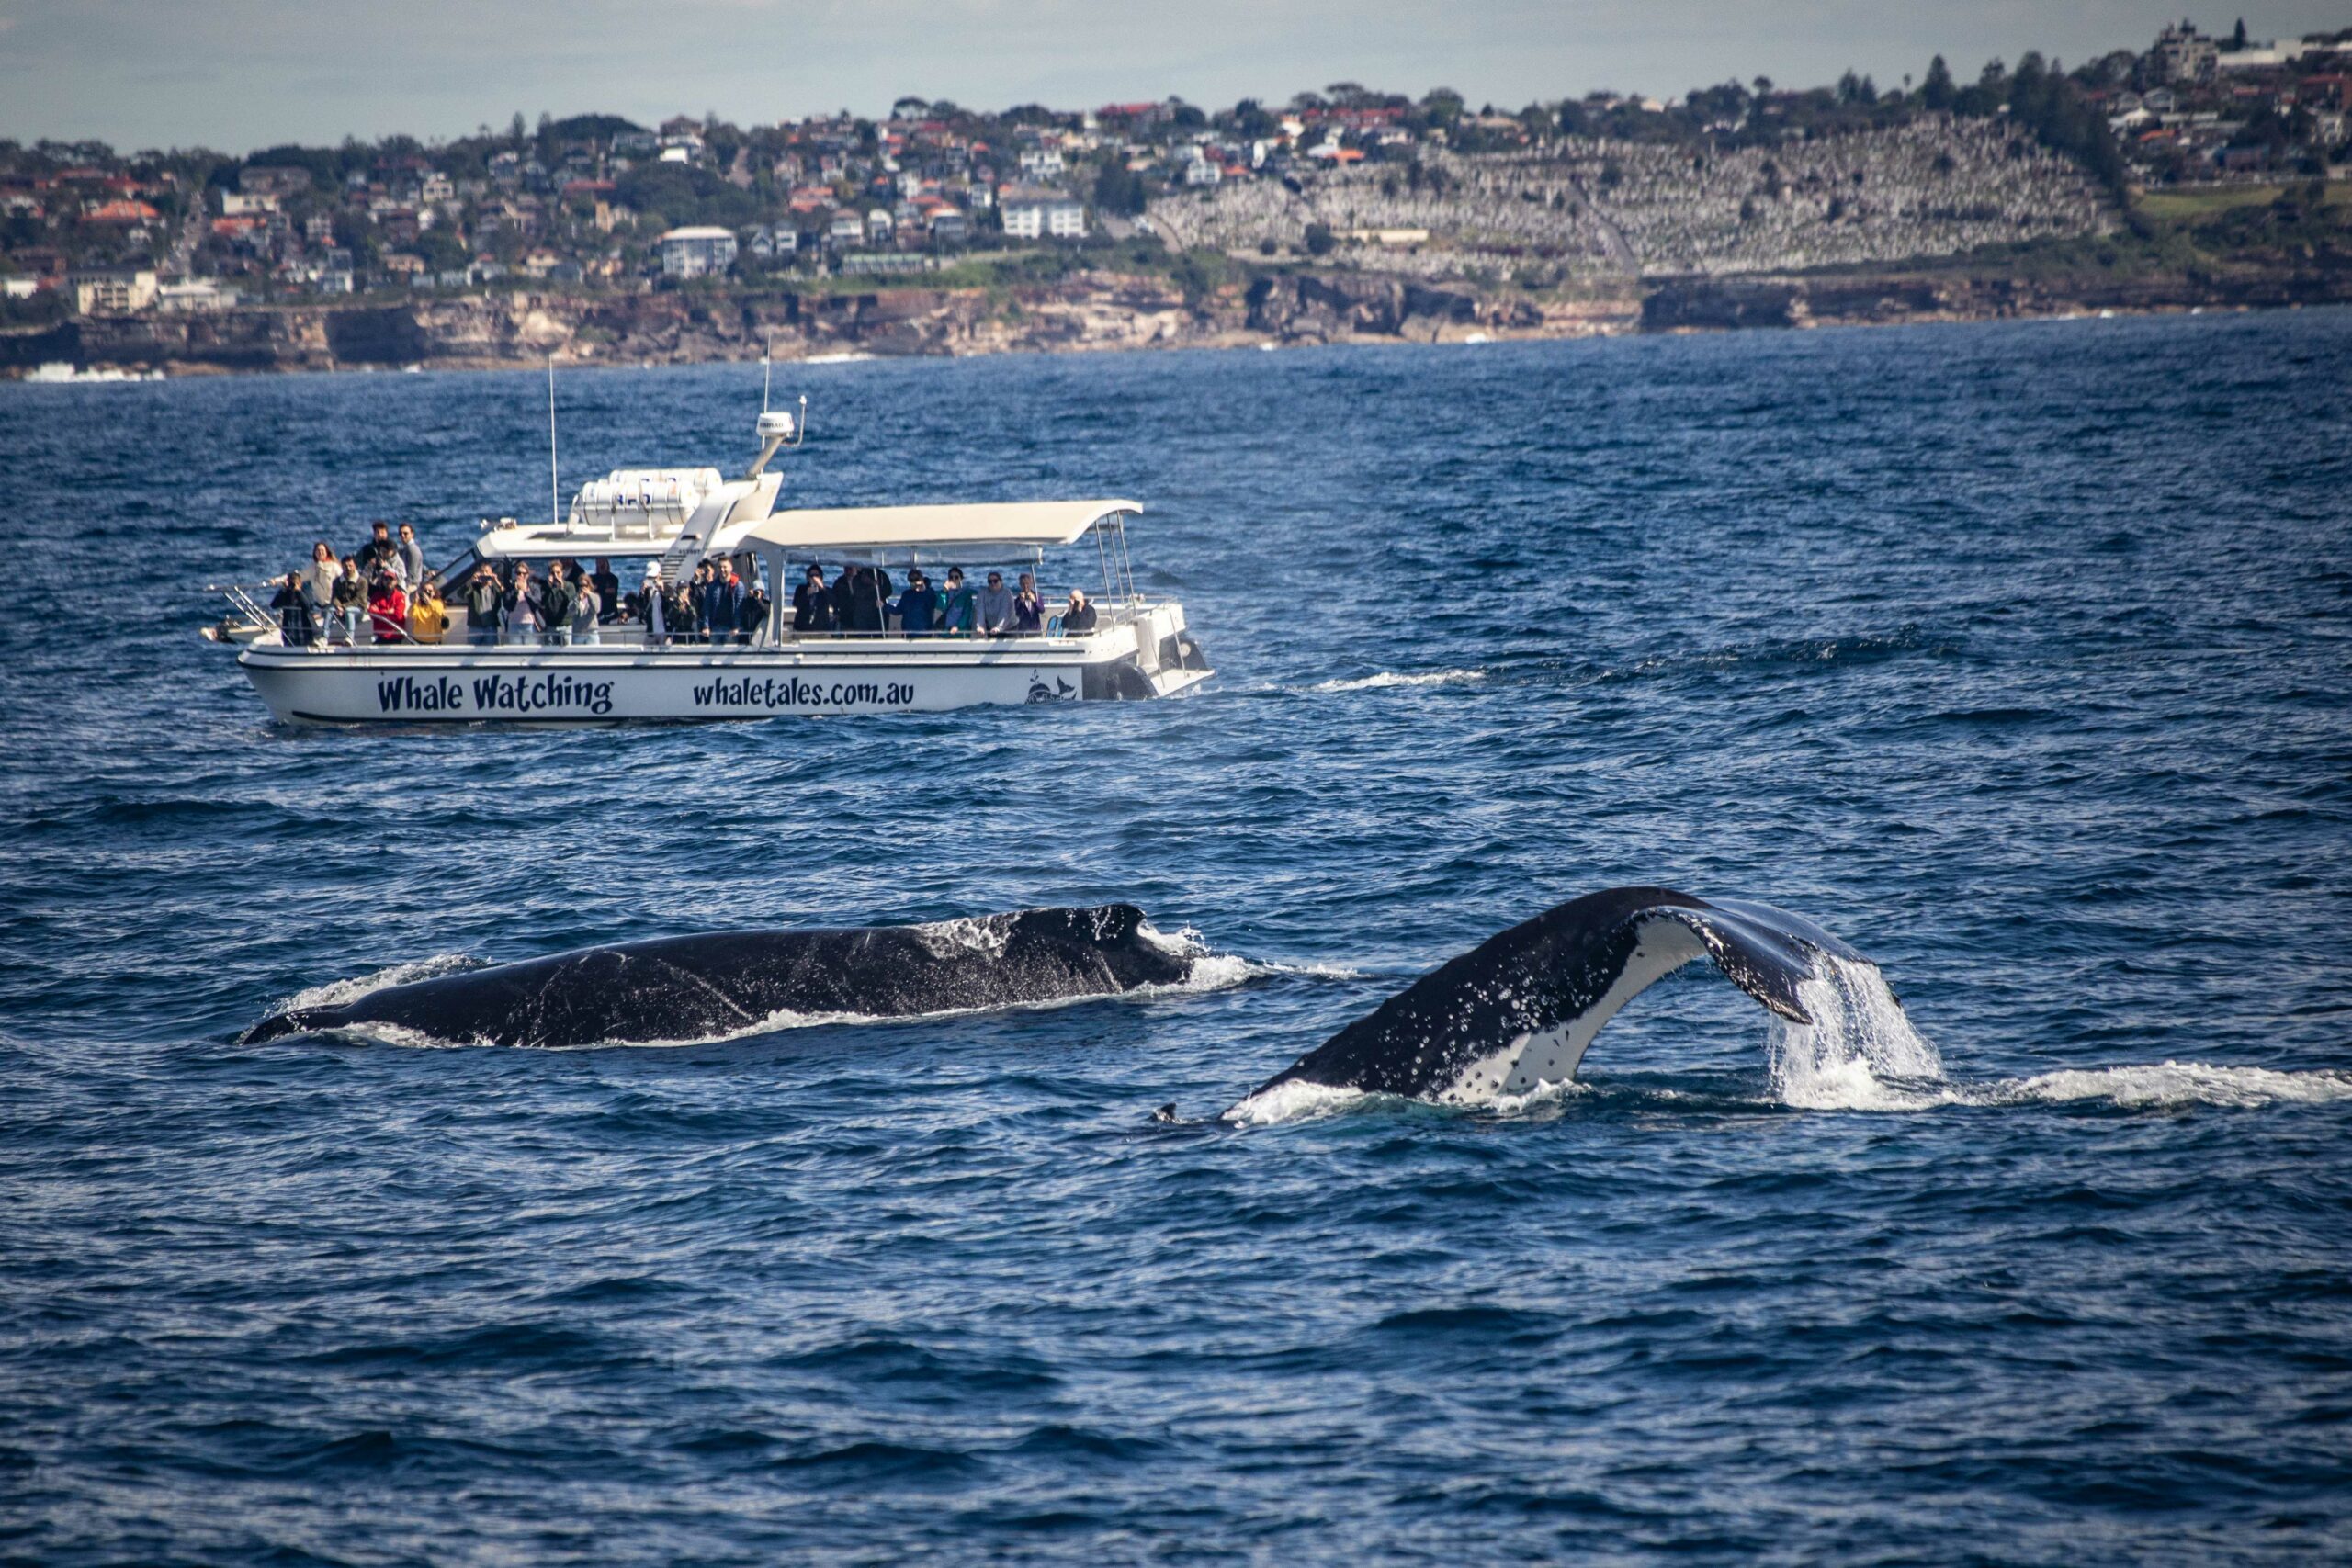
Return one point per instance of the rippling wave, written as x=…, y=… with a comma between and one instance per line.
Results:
x=2015, y=655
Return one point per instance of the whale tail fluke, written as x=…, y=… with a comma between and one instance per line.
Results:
x=1519, y=1009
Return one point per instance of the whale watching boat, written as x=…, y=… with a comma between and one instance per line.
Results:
x=675, y=519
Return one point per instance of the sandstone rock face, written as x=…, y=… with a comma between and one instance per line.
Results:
x=1696, y=304
x=1085, y=311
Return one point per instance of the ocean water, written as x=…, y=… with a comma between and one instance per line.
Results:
x=2020, y=656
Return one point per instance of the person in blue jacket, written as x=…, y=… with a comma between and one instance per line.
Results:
x=918, y=607
x=722, y=602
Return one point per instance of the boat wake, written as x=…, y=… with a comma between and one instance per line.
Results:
x=1388, y=678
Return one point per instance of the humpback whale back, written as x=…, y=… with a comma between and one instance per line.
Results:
x=1521, y=1008
x=699, y=987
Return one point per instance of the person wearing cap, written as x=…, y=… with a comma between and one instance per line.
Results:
x=378, y=554
x=995, y=605
x=1079, y=618
x=298, y=624
x=812, y=603
x=387, y=607
x=918, y=605
x=754, y=621
x=652, y=603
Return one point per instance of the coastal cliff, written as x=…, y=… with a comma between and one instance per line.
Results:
x=1106, y=310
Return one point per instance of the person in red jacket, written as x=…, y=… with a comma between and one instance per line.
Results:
x=387, y=608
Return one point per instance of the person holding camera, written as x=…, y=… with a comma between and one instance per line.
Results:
x=298, y=624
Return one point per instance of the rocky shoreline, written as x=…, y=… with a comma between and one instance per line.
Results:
x=1092, y=312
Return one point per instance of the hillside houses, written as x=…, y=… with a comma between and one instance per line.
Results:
x=1724, y=178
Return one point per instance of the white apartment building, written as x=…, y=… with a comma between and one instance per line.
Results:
x=1031, y=213
x=697, y=251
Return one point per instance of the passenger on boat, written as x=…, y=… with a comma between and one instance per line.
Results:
x=378, y=554
x=959, y=612
x=874, y=593
x=351, y=599
x=722, y=601
x=1028, y=610
x=697, y=591
x=754, y=618
x=608, y=590
x=411, y=558
x=848, y=614
x=521, y=606
x=387, y=608
x=297, y=624
x=587, y=610
x=1079, y=618
x=813, y=605
x=682, y=613
x=653, y=605
x=996, y=606
x=428, y=617
x=483, y=592
x=555, y=606
x=864, y=592
x=918, y=607
x=318, y=585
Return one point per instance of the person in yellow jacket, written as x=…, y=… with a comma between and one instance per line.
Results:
x=428, y=618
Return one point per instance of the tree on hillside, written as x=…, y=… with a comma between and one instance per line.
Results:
x=1119, y=189
x=1936, y=92
x=1251, y=118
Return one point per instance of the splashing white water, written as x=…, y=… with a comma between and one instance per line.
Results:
x=2170, y=1084
x=1297, y=1101
x=341, y=993
x=1860, y=1052
x=1387, y=678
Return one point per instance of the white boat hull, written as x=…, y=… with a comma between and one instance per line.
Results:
x=408, y=684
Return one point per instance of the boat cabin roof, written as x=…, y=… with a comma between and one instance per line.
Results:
x=1021, y=525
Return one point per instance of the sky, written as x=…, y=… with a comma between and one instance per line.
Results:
x=239, y=74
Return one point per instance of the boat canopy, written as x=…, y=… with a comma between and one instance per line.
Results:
x=1021, y=525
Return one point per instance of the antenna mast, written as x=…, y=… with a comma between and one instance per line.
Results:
x=555, y=502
